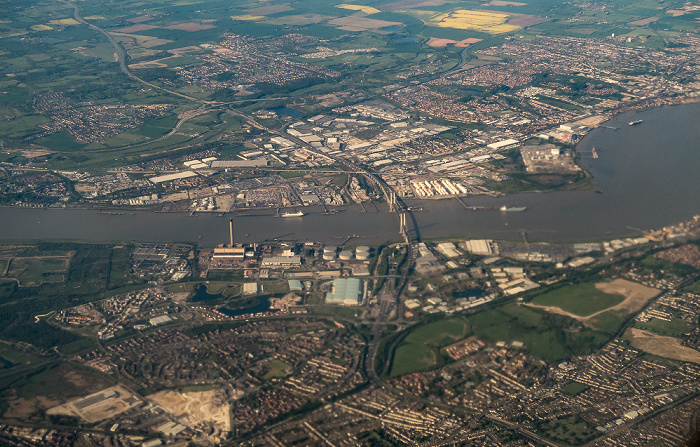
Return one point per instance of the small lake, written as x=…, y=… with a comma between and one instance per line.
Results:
x=262, y=306
x=286, y=111
x=201, y=294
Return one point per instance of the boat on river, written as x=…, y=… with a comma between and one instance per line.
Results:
x=294, y=214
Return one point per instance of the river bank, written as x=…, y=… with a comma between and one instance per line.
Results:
x=645, y=177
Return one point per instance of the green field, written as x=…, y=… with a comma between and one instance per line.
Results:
x=440, y=333
x=582, y=299
x=12, y=356
x=337, y=311
x=225, y=275
x=653, y=264
x=276, y=368
x=225, y=288
x=181, y=288
x=547, y=336
x=521, y=182
x=120, y=266
x=694, y=287
x=420, y=349
x=574, y=388
x=38, y=270
x=58, y=275
x=611, y=321
x=674, y=328
x=571, y=430
x=52, y=64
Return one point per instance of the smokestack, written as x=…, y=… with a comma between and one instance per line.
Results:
x=230, y=230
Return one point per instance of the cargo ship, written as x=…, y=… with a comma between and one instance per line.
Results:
x=634, y=123
x=294, y=214
x=512, y=208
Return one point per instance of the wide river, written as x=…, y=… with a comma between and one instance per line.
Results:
x=648, y=176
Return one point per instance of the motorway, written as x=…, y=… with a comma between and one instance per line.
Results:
x=121, y=56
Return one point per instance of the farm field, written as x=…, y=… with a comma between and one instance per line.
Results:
x=314, y=99
x=488, y=22
x=365, y=9
x=69, y=57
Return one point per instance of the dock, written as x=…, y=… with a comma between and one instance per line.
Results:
x=474, y=208
x=254, y=214
x=459, y=199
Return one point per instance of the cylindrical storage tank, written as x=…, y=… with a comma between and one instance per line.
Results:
x=362, y=255
x=346, y=255
x=330, y=249
x=328, y=256
x=362, y=252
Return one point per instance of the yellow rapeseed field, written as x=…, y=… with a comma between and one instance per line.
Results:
x=64, y=22
x=365, y=9
x=247, y=17
x=41, y=28
x=484, y=21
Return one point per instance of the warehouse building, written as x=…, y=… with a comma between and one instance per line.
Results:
x=346, y=292
x=287, y=261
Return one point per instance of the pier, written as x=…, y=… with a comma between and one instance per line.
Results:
x=474, y=208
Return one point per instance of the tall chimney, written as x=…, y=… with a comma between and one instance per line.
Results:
x=230, y=230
